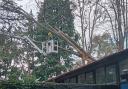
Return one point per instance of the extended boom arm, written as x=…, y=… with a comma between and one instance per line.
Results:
x=85, y=56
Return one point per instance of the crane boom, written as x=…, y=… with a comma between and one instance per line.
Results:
x=25, y=38
x=34, y=45
x=84, y=55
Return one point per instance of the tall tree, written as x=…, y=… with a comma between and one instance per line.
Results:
x=16, y=55
x=116, y=11
x=119, y=8
x=58, y=14
x=91, y=18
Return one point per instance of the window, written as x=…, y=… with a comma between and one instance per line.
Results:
x=55, y=48
x=89, y=78
x=100, y=76
x=73, y=80
x=66, y=81
x=81, y=78
x=123, y=68
x=111, y=74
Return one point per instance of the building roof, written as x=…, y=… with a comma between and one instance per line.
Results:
x=106, y=59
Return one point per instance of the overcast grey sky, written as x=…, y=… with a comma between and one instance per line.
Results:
x=28, y=5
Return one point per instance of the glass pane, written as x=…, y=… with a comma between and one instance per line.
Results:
x=89, y=78
x=100, y=76
x=111, y=74
x=66, y=81
x=123, y=68
x=73, y=80
x=81, y=78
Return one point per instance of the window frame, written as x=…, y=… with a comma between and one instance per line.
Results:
x=115, y=68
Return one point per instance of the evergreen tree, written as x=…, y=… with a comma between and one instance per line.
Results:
x=58, y=14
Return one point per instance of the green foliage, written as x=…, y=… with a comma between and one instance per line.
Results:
x=14, y=75
x=17, y=57
x=55, y=86
x=28, y=79
x=13, y=57
x=58, y=14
